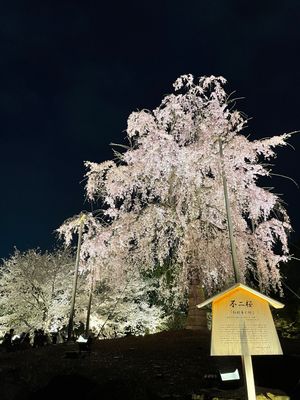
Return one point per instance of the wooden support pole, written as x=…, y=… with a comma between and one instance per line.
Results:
x=248, y=372
x=87, y=325
x=229, y=219
x=71, y=317
x=246, y=359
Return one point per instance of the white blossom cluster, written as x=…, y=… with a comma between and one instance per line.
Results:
x=35, y=289
x=164, y=197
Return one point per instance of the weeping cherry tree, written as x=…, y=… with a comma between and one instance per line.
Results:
x=163, y=198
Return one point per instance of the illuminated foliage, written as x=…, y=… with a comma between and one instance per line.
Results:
x=128, y=309
x=35, y=289
x=121, y=303
x=164, y=196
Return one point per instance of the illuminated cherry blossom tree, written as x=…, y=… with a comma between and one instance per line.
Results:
x=121, y=300
x=163, y=198
x=35, y=289
x=118, y=311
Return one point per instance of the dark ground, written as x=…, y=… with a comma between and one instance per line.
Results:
x=167, y=365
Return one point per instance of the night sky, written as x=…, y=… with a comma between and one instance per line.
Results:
x=72, y=72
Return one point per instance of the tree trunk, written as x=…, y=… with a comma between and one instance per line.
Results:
x=196, y=318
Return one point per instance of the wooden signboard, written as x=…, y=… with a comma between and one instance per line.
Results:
x=242, y=324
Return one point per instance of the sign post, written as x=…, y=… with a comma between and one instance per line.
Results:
x=248, y=370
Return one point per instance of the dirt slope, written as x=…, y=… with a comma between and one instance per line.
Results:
x=167, y=365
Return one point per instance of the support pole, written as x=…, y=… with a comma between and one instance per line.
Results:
x=248, y=372
x=229, y=218
x=87, y=325
x=246, y=358
x=71, y=318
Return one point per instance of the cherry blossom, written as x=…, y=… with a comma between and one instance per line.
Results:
x=163, y=198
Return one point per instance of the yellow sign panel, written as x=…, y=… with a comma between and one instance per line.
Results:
x=242, y=324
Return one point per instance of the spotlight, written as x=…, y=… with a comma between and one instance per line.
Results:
x=230, y=376
x=230, y=379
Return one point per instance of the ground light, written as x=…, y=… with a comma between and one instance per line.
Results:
x=229, y=376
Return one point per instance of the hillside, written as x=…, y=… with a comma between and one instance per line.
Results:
x=167, y=365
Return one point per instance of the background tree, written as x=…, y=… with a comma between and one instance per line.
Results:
x=287, y=320
x=129, y=309
x=35, y=289
x=121, y=303
x=163, y=198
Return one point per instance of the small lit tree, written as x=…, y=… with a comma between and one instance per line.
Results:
x=120, y=300
x=35, y=289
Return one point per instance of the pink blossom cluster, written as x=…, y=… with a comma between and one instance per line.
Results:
x=164, y=196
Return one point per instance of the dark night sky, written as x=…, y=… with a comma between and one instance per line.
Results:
x=72, y=72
